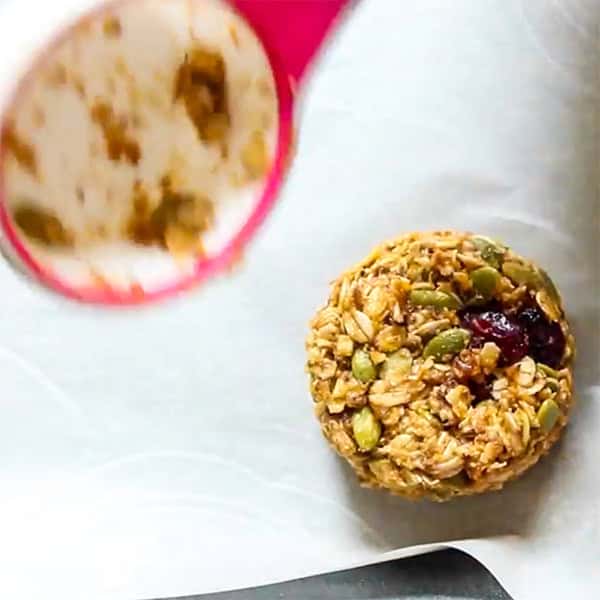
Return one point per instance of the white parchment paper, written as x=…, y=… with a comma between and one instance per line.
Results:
x=173, y=450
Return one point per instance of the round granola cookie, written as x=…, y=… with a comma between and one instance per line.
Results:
x=441, y=365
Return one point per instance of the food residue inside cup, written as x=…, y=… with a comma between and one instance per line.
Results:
x=141, y=138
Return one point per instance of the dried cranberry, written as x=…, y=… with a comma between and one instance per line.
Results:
x=546, y=338
x=481, y=390
x=495, y=326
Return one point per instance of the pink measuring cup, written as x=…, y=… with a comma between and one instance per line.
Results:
x=292, y=33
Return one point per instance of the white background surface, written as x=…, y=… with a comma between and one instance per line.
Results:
x=173, y=451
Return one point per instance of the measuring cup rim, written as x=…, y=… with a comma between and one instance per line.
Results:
x=104, y=294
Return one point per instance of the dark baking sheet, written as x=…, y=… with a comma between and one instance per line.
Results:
x=439, y=576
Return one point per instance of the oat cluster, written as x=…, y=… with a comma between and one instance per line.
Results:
x=426, y=365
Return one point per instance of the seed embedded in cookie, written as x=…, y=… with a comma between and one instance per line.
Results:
x=441, y=365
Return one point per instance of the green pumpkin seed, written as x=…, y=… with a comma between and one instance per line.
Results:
x=366, y=429
x=549, y=285
x=549, y=371
x=522, y=274
x=362, y=366
x=492, y=252
x=485, y=281
x=476, y=300
x=548, y=305
x=434, y=298
x=447, y=343
x=548, y=298
x=547, y=415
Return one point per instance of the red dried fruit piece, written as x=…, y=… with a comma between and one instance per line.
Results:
x=504, y=331
x=481, y=390
x=546, y=338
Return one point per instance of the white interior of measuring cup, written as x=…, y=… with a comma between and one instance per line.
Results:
x=128, y=56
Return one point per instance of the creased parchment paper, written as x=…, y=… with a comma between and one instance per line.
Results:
x=173, y=451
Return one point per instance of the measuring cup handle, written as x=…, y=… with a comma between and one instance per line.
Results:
x=292, y=29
